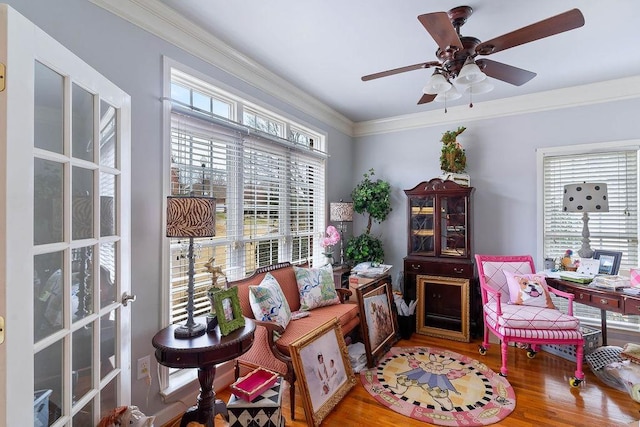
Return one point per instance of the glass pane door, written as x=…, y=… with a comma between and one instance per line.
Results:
x=66, y=218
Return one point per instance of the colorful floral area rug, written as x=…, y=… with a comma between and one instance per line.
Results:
x=439, y=387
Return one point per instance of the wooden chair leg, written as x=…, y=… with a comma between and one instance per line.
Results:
x=292, y=400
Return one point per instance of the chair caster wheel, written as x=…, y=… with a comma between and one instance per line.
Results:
x=575, y=382
x=482, y=350
x=531, y=354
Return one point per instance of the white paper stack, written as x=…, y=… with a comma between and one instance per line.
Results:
x=357, y=356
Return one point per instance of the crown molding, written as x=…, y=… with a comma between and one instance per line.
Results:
x=165, y=23
x=575, y=96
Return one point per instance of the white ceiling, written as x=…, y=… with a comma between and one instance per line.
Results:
x=324, y=47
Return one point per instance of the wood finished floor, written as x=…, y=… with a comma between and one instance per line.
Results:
x=543, y=395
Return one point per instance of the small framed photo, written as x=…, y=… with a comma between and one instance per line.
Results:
x=609, y=261
x=228, y=310
x=321, y=364
x=378, y=320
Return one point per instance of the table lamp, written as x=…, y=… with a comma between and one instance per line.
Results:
x=191, y=216
x=585, y=197
x=341, y=212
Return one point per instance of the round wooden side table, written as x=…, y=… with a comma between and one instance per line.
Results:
x=204, y=353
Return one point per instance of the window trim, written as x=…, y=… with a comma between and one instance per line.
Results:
x=169, y=386
x=543, y=152
x=600, y=147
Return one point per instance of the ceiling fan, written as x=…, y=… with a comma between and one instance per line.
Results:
x=456, y=53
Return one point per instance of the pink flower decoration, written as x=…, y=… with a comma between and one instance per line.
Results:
x=333, y=237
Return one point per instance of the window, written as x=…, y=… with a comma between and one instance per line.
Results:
x=616, y=230
x=269, y=190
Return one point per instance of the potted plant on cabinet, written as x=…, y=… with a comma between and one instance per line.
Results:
x=452, y=156
x=374, y=199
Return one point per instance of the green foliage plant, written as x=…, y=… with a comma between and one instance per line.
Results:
x=452, y=156
x=373, y=198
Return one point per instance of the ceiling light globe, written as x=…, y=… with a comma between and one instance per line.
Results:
x=478, y=88
x=470, y=73
x=437, y=84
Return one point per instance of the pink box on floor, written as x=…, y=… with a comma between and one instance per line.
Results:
x=634, y=277
x=254, y=384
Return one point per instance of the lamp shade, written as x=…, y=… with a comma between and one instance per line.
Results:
x=191, y=216
x=470, y=73
x=449, y=95
x=585, y=197
x=341, y=211
x=478, y=88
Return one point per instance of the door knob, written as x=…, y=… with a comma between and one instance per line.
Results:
x=126, y=298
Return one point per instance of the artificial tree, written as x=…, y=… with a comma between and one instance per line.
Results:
x=373, y=198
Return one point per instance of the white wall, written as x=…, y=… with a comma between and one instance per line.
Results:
x=132, y=59
x=501, y=159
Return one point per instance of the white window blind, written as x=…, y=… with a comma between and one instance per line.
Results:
x=616, y=230
x=269, y=193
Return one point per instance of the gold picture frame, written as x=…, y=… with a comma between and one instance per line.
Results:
x=443, y=307
x=322, y=367
x=378, y=320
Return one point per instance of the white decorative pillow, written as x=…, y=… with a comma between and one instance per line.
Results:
x=316, y=287
x=528, y=289
x=268, y=302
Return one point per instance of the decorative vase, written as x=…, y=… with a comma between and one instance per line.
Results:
x=329, y=255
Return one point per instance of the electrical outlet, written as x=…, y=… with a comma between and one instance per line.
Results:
x=144, y=364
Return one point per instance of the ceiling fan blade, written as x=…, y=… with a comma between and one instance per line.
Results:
x=426, y=98
x=548, y=27
x=400, y=70
x=439, y=26
x=506, y=73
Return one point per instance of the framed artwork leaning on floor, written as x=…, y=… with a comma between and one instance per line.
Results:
x=377, y=319
x=321, y=363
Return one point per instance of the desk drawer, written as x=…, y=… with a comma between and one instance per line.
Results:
x=631, y=306
x=582, y=297
x=606, y=303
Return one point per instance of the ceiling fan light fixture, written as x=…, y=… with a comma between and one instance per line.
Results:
x=437, y=84
x=470, y=73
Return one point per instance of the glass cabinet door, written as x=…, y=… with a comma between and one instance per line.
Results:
x=422, y=225
x=453, y=226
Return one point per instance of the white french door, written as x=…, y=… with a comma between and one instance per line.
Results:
x=65, y=220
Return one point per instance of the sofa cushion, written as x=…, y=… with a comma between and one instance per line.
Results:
x=316, y=287
x=269, y=303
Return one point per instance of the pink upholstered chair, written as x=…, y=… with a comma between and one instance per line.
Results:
x=523, y=323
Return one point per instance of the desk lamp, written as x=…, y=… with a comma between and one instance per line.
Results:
x=190, y=216
x=585, y=197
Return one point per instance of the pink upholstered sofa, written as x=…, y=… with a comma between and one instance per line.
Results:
x=274, y=354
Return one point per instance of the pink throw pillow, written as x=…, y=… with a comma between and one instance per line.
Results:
x=528, y=289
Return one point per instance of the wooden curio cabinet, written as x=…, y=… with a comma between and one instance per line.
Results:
x=438, y=269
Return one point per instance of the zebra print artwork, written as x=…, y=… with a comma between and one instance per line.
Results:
x=191, y=216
